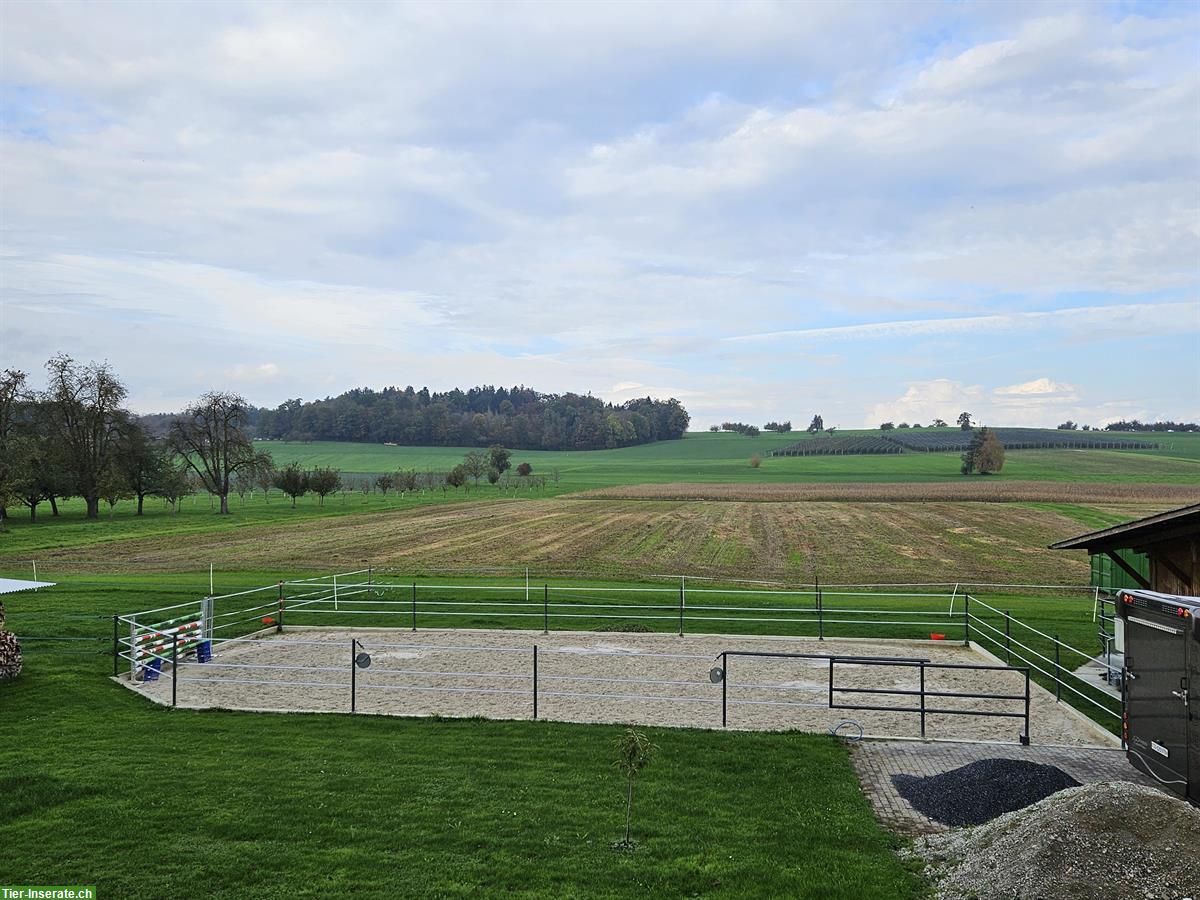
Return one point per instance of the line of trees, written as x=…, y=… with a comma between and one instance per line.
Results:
x=517, y=417
x=75, y=438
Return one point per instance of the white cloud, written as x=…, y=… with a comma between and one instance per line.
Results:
x=576, y=196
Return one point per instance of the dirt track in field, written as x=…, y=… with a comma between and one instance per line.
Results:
x=845, y=542
x=967, y=491
x=616, y=678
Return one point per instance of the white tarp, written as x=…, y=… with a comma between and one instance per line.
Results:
x=12, y=585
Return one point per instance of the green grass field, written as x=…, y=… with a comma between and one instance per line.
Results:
x=98, y=786
x=706, y=457
x=101, y=787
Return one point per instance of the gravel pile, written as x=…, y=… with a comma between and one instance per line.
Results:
x=978, y=792
x=1105, y=841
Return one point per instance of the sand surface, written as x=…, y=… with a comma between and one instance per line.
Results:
x=614, y=677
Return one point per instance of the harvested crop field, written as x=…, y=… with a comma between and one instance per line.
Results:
x=1166, y=495
x=846, y=542
x=614, y=678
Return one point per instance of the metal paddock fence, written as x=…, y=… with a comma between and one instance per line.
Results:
x=179, y=637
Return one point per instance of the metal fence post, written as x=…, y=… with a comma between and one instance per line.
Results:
x=1057, y=672
x=724, y=689
x=174, y=669
x=922, y=699
x=820, y=613
x=1025, y=737
x=353, y=676
x=116, y=647
x=414, y=606
x=966, y=619
x=1007, y=638
x=681, y=609
x=831, y=682
x=279, y=622
x=535, y=682
x=545, y=609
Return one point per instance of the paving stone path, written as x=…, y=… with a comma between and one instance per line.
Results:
x=875, y=762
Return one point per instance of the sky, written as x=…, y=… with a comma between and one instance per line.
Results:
x=873, y=212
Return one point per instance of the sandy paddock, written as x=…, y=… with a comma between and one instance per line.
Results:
x=610, y=677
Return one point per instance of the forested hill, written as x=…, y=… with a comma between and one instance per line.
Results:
x=519, y=417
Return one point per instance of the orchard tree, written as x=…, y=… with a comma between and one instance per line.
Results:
x=84, y=416
x=12, y=390
x=211, y=438
x=524, y=469
x=293, y=481
x=475, y=464
x=174, y=483
x=144, y=460
x=499, y=459
x=323, y=482
x=385, y=482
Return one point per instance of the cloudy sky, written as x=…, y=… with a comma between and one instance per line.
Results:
x=872, y=211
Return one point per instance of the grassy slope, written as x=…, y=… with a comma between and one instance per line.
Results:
x=97, y=786
x=725, y=458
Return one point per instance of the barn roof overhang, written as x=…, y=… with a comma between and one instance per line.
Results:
x=1140, y=533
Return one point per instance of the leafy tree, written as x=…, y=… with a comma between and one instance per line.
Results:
x=174, y=483
x=406, y=480
x=457, y=476
x=114, y=486
x=475, y=464
x=755, y=461
x=714, y=428
x=244, y=483
x=499, y=459
x=902, y=425
x=265, y=475
x=493, y=476
x=323, y=482
x=144, y=460
x=293, y=481
x=524, y=469
x=12, y=390
x=211, y=438
x=634, y=752
x=85, y=417
x=780, y=427
x=938, y=423
x=984, y=455
x=384, y=483
x=964, y=421
x=816, y=425
x=887, y=426
x=1068, y=426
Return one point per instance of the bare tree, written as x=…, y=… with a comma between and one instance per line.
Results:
x=210, y=438
x=85, y=417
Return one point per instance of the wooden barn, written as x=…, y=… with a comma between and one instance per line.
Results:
x=1170, y=540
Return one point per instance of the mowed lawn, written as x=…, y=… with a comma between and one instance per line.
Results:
x=98, y=786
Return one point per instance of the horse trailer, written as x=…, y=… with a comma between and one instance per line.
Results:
x=1162, y=687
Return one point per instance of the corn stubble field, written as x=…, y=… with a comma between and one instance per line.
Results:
x=282, y=804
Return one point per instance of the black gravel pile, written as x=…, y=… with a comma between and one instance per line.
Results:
x=980, y=791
